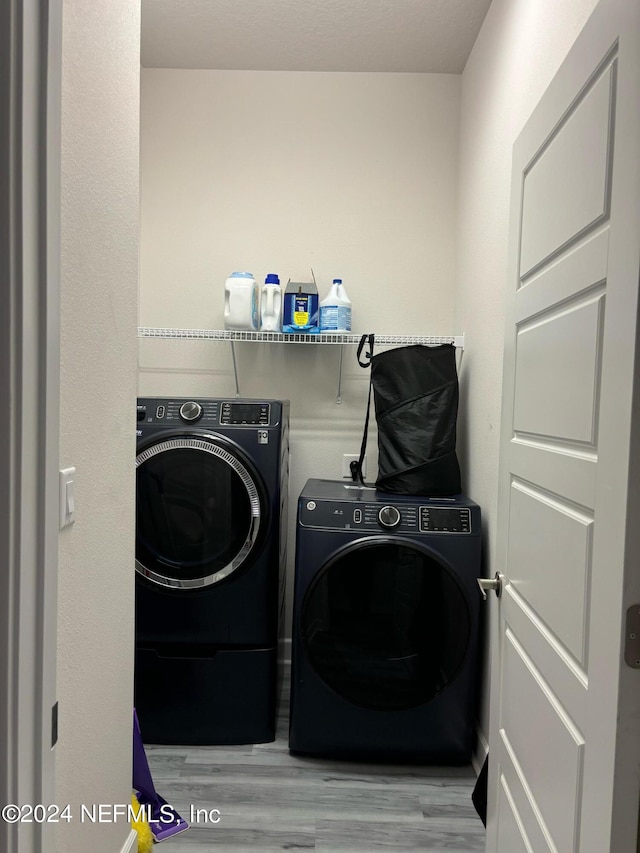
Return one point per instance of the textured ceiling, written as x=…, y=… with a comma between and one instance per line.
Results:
x=311, y=35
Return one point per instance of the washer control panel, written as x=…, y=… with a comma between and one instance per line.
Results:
x=254, y=414
x=378, y=517
x=209, y=412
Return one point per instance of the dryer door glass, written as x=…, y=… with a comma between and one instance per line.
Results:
x=198, y=512
x=386, y=625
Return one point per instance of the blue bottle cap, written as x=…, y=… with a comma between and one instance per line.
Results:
x=272, y=278
x=337, y=281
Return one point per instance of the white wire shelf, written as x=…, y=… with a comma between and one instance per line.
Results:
x=282, y=338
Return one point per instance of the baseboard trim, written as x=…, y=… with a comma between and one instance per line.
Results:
x=481, y=751
x=131, y=844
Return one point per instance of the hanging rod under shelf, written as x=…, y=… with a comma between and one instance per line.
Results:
x=281, y=338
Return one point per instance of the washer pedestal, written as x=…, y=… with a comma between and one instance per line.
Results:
x=223, y=697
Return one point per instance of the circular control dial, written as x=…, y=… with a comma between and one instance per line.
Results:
x=389, y=516
x=191, y=412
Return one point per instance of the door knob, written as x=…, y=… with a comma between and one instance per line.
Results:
x=494, y=583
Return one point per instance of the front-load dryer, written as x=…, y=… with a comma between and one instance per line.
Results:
x=385, y=626
x=211, y=521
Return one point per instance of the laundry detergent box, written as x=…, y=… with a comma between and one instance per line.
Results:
x=300, y=308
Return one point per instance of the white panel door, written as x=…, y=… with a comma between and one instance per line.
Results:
x=564, y=756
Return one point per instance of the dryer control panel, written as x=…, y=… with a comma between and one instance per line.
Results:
x=379, y=517
x=445, y=519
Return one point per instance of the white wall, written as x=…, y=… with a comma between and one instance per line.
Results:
x=100, y=222
x=351, y=174
x=519, y=49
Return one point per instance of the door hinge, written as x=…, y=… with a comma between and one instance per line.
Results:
x=54, y=725
x=632, y=637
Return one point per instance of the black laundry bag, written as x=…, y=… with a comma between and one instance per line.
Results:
x=415, y=391
x=480, y=790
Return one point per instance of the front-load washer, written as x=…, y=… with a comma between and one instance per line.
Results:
x=385, y=625
x=211, y=522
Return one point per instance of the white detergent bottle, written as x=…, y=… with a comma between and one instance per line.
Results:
x=271, y=305
x=242, y=302
x=335, y=309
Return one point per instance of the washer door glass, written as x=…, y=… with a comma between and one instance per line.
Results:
x=198, y=512
x=386, y=625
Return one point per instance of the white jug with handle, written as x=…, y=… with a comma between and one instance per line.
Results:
x=242, y=302
x=335, y=309
x=271, y=305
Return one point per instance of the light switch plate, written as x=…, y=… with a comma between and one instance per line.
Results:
x=67, y=497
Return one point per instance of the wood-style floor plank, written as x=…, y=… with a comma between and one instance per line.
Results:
x=269, y=800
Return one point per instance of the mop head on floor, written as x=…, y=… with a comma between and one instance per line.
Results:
x=145, y=836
